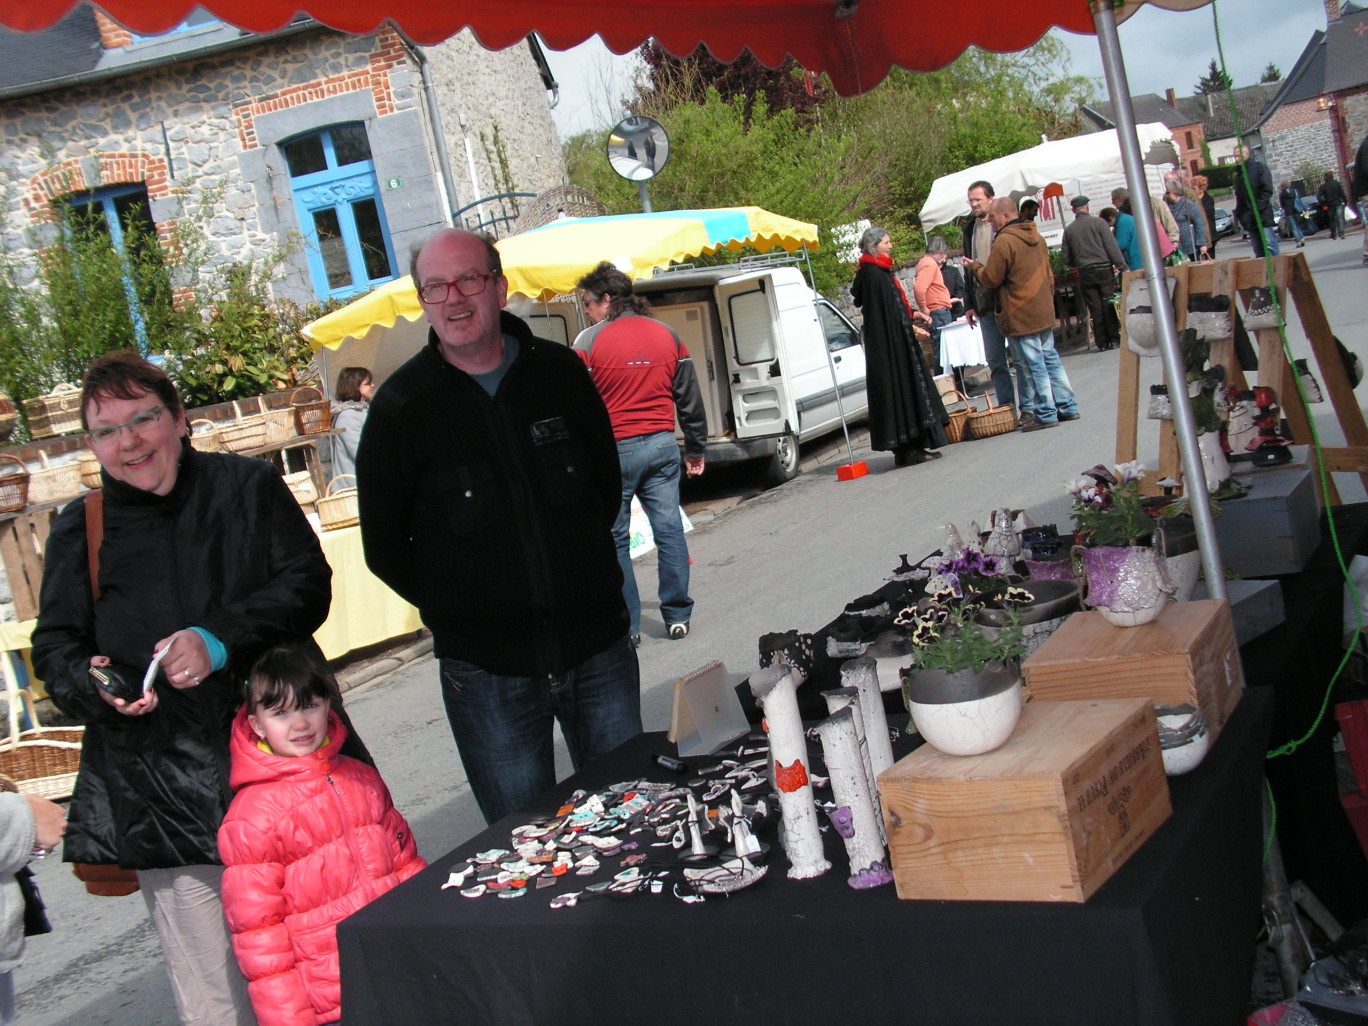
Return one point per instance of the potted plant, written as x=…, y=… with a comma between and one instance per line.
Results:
x=964, y=688
x=1124, y=575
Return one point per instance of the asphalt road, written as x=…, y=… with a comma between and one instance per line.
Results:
x=786, y=558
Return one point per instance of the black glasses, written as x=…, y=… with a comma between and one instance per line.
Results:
x=467, y=285
x=102, y=436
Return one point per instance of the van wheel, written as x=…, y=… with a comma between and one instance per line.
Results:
x=783, y=465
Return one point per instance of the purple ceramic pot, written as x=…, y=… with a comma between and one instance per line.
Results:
x=1125, y=583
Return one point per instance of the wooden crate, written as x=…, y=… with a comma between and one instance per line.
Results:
x=1187, y=656
x=1049, y=816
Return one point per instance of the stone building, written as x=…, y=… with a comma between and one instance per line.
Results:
x=1320, y=115
x=1218, y=121
x=342, y=151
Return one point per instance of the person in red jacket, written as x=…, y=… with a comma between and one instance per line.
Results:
x=311, y=836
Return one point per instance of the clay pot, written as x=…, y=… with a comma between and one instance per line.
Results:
x=967, y=712
x=1182, y=557
x=1125, y=583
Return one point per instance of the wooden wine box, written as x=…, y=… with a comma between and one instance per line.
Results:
x=1187, y=656
x=1049, y=816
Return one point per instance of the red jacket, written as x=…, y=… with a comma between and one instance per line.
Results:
x=307, y=842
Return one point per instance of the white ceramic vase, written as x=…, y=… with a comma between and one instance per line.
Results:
x=965, y=712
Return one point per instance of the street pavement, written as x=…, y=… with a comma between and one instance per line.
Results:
x=786, y=558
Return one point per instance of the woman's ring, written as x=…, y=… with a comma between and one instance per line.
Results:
x=195, y=679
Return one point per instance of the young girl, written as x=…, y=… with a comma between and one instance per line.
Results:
x=311, y=836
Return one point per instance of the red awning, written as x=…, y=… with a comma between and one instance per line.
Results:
x=857, y=50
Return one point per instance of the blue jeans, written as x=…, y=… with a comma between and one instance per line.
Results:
x=1053, y=395
x=995, y=351
x=650, y=471
x=1291, y=218
x=939, y=319
x=1271, y=234
x=502, y=725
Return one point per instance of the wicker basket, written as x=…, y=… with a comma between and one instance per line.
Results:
x=55, y=413
x=9, y=418
x=204, y=435
x=90, y=470
x=53, y=483
x=959, y=419
x=302, y=487
x=246, y=432
x=311, y=416
x=42, y=761
x=996, y=420
x=338, y=508
x=14, y=481
x=279, y=424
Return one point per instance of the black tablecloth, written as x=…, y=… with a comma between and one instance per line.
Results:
x=1169, y=939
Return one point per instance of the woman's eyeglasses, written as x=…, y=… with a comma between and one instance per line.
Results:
x=103, y=436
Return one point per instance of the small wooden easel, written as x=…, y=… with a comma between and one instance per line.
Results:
x=1291, y=276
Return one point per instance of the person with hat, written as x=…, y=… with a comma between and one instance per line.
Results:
x=1090, y=246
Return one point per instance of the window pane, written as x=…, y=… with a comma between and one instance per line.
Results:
x=350, y=145
x=332, y=248
x=305, y=156
x=372, y=240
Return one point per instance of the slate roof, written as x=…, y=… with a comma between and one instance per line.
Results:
x=1148, y=107
x=1213, y=109
x=1334, y=58
x=71, y=47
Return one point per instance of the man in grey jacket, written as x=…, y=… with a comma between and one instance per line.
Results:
x=1090, y=246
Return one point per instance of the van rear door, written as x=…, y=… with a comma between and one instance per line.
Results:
x=761, y=404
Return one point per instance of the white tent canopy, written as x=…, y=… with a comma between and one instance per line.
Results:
x=1027, y=172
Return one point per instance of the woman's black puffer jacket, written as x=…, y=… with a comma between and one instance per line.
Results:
x=227, y=550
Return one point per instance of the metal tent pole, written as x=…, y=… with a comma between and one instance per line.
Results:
x=1184, y=424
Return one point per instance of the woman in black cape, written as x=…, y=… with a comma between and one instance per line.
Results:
x=906, y=414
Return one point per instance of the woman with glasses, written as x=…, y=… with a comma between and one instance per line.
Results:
x=204, y=561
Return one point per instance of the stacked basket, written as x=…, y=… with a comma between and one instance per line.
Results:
x=338, y=508
x=14, y=481
x=54, y=483
x=42, y=761
x=9, y=418
x=55, y=413
x=312, y=413
x=204, y=436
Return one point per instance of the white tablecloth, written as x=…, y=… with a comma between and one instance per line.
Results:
x=962, y=345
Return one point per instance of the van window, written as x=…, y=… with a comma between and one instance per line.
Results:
x=752, y=339
x=838, y=331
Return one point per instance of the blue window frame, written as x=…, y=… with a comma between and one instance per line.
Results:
x=122, y=213
x=341, y=217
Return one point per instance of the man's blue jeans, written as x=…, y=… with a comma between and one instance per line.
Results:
x=502, y=725
x=995, y=352
x=939, y=319
x=1271, y=235
x=1053, y=395
x=650, y=471
x=1291, y=218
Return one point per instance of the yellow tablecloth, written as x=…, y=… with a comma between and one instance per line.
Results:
x=364, y=610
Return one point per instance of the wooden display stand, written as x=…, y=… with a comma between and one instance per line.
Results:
x=1049, y=816
x=1292, y=277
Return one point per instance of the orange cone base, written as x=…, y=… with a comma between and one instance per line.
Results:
x=851, y=471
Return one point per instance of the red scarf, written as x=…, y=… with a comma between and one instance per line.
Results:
x=886, y=262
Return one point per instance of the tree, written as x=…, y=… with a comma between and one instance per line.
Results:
x=671, y=80
x=1272, y=73
x=1214, y=81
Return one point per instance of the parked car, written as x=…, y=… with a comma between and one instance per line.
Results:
x=1224, y=223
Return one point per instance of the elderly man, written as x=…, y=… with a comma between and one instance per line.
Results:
x=488, y=480
x=1090, y=246
x=1019, y=268
x=980, y=303
x=645, y=375
x=932, y=295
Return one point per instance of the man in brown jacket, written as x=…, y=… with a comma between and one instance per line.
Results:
x=1019, y=268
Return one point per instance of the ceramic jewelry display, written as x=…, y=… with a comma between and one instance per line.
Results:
x=855, y=818
x=849, y=698
x=863, y=675
x=775, y=691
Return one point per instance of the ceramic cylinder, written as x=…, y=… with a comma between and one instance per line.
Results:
x=864, y=845
x=849, y=698
x=863, y=675
x=1215, y=466
x=775, y=691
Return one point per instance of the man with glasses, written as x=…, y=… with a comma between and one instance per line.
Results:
x=488, y=487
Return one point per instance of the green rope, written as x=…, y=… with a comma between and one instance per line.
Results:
x=1323, y=476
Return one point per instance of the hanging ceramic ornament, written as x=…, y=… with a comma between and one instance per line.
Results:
x=849, y=698
x=863, y=675
x=862, y=836
x=775, y=691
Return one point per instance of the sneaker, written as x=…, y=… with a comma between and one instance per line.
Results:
x=676, y=631
x=1036, y=424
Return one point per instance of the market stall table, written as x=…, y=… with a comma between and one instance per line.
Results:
x=1168, y=940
